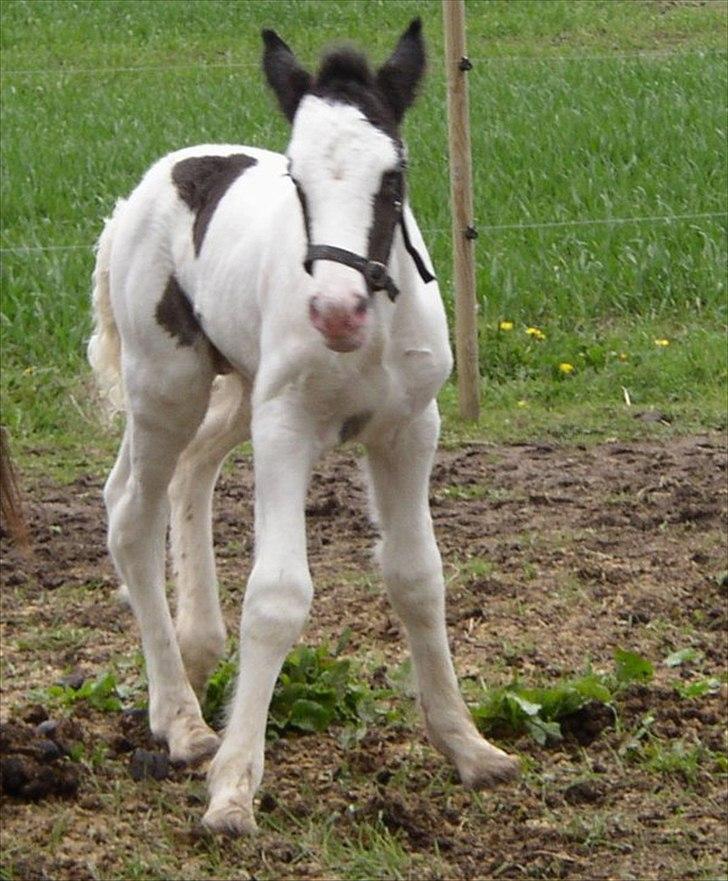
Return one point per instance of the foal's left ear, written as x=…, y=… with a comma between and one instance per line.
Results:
x=399, y=77
x=285, y=75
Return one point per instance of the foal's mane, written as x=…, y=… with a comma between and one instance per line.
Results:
x=345, y=76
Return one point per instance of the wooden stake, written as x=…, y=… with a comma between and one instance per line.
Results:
x=11, y=507
x=461, y=197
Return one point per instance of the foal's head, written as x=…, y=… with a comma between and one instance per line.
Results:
x=347, y=161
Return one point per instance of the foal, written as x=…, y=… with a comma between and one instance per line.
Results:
x=239, y=293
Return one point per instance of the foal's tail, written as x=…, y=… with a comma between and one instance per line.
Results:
x=104, y=347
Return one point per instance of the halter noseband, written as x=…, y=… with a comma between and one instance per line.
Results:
x=374, y=271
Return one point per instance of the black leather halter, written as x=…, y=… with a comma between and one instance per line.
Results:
x=375, y=273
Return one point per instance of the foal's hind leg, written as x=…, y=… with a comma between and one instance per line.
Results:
x=413, y=574
x=166, y=406
x=199, y=624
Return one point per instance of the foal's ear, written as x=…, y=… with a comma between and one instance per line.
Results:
x=399, y=77
x=285, y=75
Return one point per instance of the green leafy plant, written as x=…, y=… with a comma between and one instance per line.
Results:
x=519, y=709
x=696, y=689
x=102, y=693
x=219, y=692
x=315, y=689
x=631, y=667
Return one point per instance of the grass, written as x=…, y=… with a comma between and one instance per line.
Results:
x=568, y=123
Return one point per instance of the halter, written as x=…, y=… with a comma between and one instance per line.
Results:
x=375, y=272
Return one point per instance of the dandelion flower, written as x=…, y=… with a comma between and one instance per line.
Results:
x=522, y=403
x=566, y=368
x=623, y=356
x=662, y=342
x=505, y=325
x=536, y=333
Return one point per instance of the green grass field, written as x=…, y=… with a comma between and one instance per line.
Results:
x=582, y=112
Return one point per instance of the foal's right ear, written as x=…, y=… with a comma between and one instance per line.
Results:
x=285, y=75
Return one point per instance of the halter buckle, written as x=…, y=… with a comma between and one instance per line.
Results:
x=375, y=274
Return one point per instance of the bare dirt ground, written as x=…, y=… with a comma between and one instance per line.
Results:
x=554, y=557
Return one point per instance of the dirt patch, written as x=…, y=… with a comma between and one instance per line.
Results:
x=554, y=556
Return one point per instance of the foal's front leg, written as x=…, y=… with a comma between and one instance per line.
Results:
x=412, y=570
x=277, y=600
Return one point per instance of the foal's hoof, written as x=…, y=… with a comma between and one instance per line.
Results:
x=193, y=743
x=231, y=818
x=489, y=767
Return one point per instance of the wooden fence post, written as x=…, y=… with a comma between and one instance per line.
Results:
x=11, y=505
x=461, y=198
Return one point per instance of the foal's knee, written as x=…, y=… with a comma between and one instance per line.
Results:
x=277, y=602
x=414, y=582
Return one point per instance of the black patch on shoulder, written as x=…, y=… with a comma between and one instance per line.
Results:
x=175, y=314
x=354, y=425
x=202, y=181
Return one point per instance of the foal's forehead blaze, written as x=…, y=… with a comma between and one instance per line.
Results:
x=336, y=136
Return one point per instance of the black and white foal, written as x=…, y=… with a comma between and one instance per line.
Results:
x=241, y=293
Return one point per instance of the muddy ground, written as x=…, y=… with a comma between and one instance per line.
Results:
x=554, y=556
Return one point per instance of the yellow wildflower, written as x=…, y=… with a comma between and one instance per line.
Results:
x=565, y=367
x=623, y=356
x=505, y=325
x=522, y=403
x=536, y=333
x=662, y=342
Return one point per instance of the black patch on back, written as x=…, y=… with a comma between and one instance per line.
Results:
x=354, y=425
x=202, y=181
x=175, y=314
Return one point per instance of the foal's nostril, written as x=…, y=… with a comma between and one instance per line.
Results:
x=313, y=307
x=362, y=305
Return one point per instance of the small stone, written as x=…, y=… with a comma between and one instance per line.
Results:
x=73, y=680
x=47, y=728
x=145, y=765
